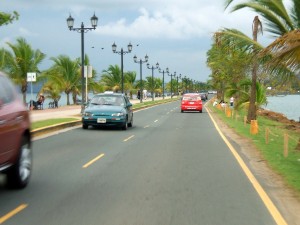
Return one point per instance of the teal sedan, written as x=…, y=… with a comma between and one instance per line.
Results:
x=111, y=109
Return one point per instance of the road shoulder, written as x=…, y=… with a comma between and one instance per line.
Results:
x=286, y=199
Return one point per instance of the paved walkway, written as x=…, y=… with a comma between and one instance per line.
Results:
x=67, y=111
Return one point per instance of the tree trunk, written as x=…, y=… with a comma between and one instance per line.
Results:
x=252, y=102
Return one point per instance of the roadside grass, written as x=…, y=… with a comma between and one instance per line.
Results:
x=50, y=122
x=273, y=151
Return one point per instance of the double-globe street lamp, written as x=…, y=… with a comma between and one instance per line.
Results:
x=152, y=68
x=82, y=30
x=172, y=75
x=122, y=52
x=141, y=78
x=163, y=81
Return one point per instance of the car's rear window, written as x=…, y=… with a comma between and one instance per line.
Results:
x=191, y=98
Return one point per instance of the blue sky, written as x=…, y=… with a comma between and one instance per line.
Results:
x=174, y=33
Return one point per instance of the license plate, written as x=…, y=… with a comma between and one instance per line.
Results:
x=191, y=103
x=101, y=120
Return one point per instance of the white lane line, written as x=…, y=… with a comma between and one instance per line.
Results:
x=128, y=138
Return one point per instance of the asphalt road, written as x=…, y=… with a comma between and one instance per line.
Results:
x=169, y=168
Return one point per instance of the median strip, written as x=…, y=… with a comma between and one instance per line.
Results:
x=92, y=161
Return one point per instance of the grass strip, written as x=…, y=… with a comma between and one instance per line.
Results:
x=273, y=151
x=50, y=122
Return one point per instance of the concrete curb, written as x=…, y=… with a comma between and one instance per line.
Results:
x=56, y=127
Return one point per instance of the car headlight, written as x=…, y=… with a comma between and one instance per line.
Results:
x=87, y=114
x=118, y=114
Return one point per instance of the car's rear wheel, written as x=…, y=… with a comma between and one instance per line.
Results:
x=18, y=175
x=182, y=111
x=200, y=111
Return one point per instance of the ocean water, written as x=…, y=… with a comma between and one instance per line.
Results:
x=289, y=105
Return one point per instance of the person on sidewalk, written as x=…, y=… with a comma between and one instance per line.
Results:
x=231, y=101
x=144, y=94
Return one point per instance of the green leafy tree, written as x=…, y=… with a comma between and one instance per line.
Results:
x=129, y=80
x=7, y=18
x=65, y=72
x=111, y=78
x=21, y=60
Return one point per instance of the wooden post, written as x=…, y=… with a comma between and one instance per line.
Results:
x=253, y=127
x=286, y=145
x=267, y=135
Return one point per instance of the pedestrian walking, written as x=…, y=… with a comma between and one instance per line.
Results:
x=231, y=101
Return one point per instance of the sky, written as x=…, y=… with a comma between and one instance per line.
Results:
x=175, y=33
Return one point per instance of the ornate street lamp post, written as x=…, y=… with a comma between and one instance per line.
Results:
x=163, y=81
x=152, y=68
x=141, y=78
x=122, y=52
x=82, y=30
x=172, y=75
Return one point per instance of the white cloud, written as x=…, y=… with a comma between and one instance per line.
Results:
x=25, y=32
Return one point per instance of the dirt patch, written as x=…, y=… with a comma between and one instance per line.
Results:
x=285, y=198
x=286, y=123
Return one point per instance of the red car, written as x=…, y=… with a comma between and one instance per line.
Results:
x=191, y=102
x=15, y=138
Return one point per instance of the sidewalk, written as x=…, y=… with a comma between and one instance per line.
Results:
x=69, y=111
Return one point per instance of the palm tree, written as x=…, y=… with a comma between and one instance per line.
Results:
x=6, y=18
x=51, y=90
x=229, y=58
x=66, y=74
x=286, y=50
x=112, y=78
x=20, y=61
x=278, y=19
x=129, y=79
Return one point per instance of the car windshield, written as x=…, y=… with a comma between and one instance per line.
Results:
x=107, y=100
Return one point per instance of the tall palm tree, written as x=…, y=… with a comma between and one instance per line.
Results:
x=286, y=50
x=279, y=20
x=20, y=61
x=129, y=79
x=112, y=78
x=256, y=28
x=66, y=73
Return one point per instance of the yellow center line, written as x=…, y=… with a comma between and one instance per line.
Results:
x=12, y=213
x=92, y=161
x=128, y=138
x=261, y=192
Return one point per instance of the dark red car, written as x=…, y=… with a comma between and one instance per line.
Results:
x=191, y=102
x=15, y=138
